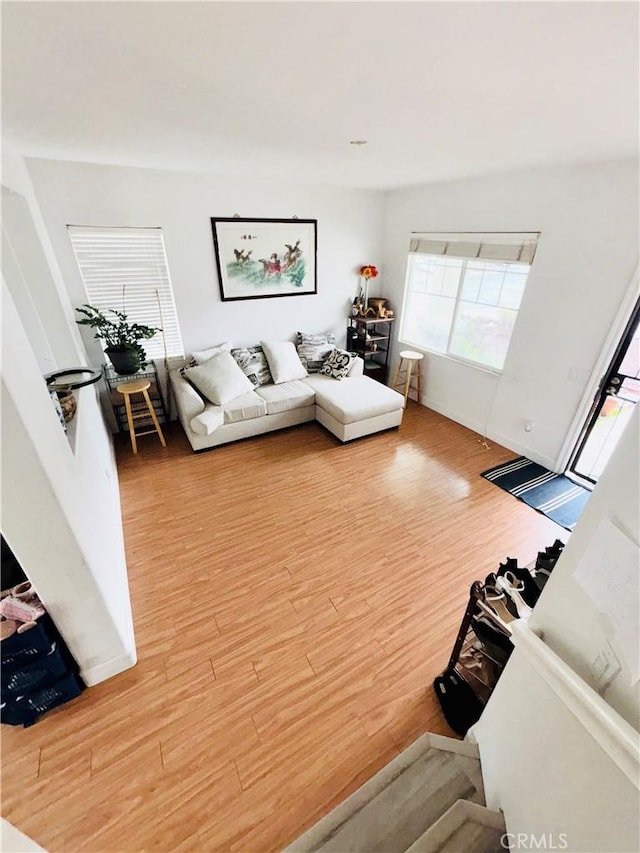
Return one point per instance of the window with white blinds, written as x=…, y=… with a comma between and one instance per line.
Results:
x=126, y=269
x=463, y=293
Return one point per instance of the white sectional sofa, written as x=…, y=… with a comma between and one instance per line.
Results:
x=350, y=408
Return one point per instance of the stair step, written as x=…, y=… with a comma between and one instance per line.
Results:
x=462, y=828
x=394, y=808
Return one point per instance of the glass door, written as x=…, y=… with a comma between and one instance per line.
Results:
x=613, y=404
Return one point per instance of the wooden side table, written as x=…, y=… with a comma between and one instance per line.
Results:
x=139, y=386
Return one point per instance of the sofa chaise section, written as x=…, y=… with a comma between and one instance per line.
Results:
x=356, y=406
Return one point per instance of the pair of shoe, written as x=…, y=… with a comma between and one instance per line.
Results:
x=502, y=601
x=545, y=563
x=529, y=590
x=496, y=643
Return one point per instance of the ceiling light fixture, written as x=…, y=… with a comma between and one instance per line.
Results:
x=358, y=142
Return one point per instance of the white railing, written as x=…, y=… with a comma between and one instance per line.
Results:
x=612, y=732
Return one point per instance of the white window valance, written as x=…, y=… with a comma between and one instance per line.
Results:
x=509, y=247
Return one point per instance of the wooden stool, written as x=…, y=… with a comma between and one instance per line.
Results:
x=408, y=358
x=139, y=386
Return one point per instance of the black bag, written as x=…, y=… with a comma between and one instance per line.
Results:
x=460, y=705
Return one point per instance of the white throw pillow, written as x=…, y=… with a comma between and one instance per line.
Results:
x=203, y=355
x=219, y=379
x=284, y=362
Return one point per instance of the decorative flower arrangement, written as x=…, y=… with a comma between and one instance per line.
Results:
x=369, y=271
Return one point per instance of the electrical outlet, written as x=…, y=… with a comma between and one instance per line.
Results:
x=605, y=667
x=528, y=426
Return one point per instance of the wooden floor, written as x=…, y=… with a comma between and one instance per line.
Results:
x=293, y=600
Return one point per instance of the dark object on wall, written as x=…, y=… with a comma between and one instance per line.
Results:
x=65, y=382
x=72, y=378
x=259, y=258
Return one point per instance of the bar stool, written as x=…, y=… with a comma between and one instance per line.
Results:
x=404, y=373
x=139, y=386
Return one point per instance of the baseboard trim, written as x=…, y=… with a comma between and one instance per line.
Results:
x=499, y=438
x=114, y=666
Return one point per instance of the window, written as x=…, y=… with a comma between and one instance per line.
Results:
x=126, y=269
x=463, y=292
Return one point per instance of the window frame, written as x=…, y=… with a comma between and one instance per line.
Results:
x=168, y=343
x=404, y=339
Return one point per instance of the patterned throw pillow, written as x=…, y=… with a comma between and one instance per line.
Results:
x=253, y=363
x=338, y=364
x=183, y=373
x=313, y=355
x=305, y=338
x=313, y=350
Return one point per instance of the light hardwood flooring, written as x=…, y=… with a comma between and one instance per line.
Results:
x=293, y=600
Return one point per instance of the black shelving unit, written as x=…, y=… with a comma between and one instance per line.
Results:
x=370, y=338
x=138, y=405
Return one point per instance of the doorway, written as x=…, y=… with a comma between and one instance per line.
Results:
x=613, y=404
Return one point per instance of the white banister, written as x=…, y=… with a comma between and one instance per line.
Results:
x=612, y=732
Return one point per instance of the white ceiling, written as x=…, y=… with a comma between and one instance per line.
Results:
x=439, y=90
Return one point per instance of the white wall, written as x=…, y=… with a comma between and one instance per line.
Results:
x=31, y=272
x=585, y=262
x=571, y=623
x=588, y=216
x=60, y=511
x=60, y=497
x=349, y=235
x=14, y=841
x=541, y=762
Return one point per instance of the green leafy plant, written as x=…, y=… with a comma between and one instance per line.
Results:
x=118, y=334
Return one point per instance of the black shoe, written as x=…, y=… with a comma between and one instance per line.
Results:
x=510, y=565
x=530, y=593
x=498, y=645
x=546, y=561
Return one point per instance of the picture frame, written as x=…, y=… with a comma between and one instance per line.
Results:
x=265, y=258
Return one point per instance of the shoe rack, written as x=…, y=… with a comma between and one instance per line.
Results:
x=482, y=646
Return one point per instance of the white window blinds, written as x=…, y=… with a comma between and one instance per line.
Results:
x=126, y=269
x=511, y=247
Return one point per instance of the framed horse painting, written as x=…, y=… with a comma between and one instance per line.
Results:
x=261, y=258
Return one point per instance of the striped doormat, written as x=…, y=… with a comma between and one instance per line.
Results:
x=554, y=495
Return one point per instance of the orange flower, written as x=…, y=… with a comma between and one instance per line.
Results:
x=368, y=271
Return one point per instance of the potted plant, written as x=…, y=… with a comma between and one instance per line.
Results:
x=122, y=338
